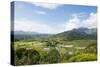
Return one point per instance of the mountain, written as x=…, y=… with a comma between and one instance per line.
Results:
x=23, y=35
x=80, y=33
x=91, y=31
x=82, y=29
x=86, y=30
x=75, y=34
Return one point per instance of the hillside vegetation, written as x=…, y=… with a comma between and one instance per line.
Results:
x=69, y=46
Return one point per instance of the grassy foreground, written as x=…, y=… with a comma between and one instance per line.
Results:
x=53, y=51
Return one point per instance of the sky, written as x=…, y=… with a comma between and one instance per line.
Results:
x=53, y=18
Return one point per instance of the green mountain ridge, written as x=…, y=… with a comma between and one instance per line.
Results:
x=77, y=34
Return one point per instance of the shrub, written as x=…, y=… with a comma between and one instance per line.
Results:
x=53, y=56
x=26, y=56
x=83, y=57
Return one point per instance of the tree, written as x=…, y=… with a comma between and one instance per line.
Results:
x=52, y=43
x=53, y=56
x=26, y=56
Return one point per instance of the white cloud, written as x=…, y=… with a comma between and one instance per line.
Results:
x=92, y=21
x=47, y=5
x=80, y=15
x=76, y=22
x=40, y=12
x=72, y=23
x=34, y=27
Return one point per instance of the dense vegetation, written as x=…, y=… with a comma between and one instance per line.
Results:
x=58, y=48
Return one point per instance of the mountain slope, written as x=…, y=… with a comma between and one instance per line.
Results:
x=81, y=33
x=75, y=34
x=22, y=35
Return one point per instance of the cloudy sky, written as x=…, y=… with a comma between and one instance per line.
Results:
x=53, y=18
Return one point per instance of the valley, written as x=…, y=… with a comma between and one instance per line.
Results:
x=69, y=46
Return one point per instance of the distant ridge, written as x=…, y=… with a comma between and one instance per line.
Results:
x=80, y=33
